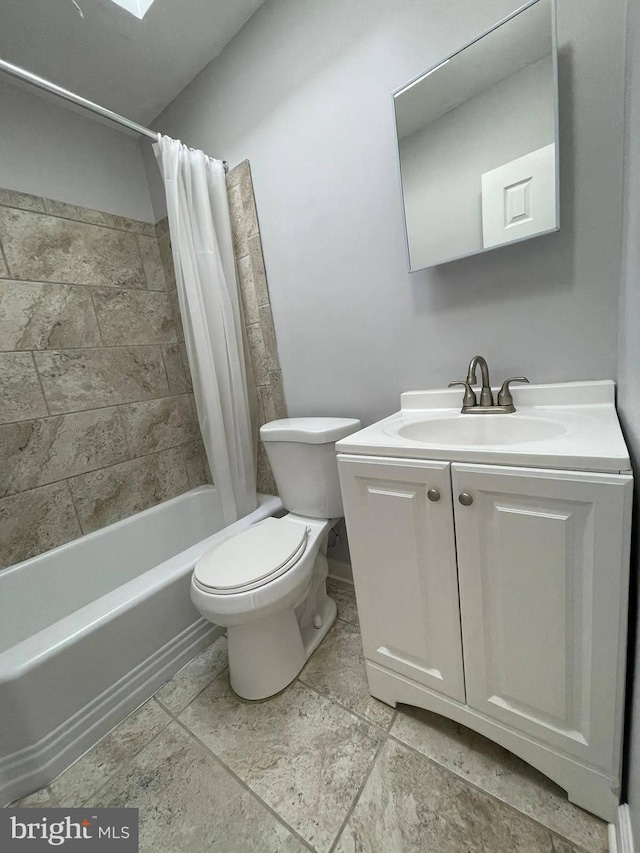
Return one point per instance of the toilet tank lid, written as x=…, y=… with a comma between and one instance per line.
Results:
x=309, y=430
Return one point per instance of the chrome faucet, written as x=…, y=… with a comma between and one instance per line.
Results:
x=486, y=406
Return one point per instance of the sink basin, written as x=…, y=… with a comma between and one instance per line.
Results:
x=481, y=430
x=570, y=426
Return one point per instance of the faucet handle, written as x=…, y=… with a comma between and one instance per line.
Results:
x=469, y=398
x=504, y=394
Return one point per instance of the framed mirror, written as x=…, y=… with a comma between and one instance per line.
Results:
x=478, y=142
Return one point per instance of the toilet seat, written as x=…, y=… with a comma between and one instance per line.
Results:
x=251, y=559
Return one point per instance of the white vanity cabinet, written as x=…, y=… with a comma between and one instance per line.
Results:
x=505, y=612
x=402, y=542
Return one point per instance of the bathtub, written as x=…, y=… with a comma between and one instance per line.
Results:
x=91, y=629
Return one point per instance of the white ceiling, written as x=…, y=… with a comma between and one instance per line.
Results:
x=134, y=67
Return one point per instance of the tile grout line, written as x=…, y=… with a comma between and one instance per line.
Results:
x=115, y=288
x=87, y=751
x=477, y=787
x=359, y=793
x=3, y=257
x=244, y=785
x=94, y=470
x=360, y=717
x=125, y=763
x=110, y=227
x=193, y=698
x=151, y=345
x=95, y=408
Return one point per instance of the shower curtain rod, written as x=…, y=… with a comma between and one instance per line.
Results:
x=65, y=94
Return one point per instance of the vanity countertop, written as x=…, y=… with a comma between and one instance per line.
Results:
x=570, y=425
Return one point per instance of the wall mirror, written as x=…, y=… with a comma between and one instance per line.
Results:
x=478, y=142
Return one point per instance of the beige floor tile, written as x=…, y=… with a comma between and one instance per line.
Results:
x=303, y=755
x=410, y=805
x=337, y=669
x=501, y=773
x=194, y=677
x=79, y=783
x=345, y=597
x=188, y=802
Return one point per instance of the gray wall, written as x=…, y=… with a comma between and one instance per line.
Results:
x=354, y=328
x=443, y=163
x=47, y=149
x=629, y=376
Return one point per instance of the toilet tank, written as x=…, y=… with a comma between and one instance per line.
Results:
x=303, y=460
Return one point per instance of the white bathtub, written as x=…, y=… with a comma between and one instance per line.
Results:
x=91, y=629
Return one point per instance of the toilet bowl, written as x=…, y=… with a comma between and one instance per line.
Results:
x=267, y=585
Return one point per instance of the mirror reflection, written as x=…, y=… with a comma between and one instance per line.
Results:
x=477, y=140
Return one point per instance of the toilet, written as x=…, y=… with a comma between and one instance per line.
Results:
x=267, y=584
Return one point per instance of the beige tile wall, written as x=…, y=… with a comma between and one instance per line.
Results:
x=256, y=305
x=97, y=419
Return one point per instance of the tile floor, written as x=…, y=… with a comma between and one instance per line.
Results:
x=321, y=767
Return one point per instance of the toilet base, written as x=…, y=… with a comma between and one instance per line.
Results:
x=267, y=654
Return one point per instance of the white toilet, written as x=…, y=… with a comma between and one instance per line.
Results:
x=267, y=585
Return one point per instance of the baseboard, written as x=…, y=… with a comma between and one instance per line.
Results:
x=32, y=767
x=621, y=835
x=340, y=570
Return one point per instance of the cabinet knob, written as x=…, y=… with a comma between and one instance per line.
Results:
x=433, y=495
x=465, y=499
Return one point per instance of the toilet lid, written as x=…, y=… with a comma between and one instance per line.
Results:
x=250, y=559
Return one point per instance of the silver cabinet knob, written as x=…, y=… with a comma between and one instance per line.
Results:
x=465, y=499
x=433, y=495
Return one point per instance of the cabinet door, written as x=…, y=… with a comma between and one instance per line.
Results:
x=403, y=556
x=543, y=569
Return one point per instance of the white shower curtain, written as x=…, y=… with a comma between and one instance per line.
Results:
x=201, y=241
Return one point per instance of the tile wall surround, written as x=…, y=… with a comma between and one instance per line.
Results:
x=256, y=306
x=97, y=418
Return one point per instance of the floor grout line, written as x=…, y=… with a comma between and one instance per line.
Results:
x=197, y=695
x=124, y=764
x=356, y=799
x=244, y=785
x=344, y=707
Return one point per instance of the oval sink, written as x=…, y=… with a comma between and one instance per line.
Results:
x=480, y=430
